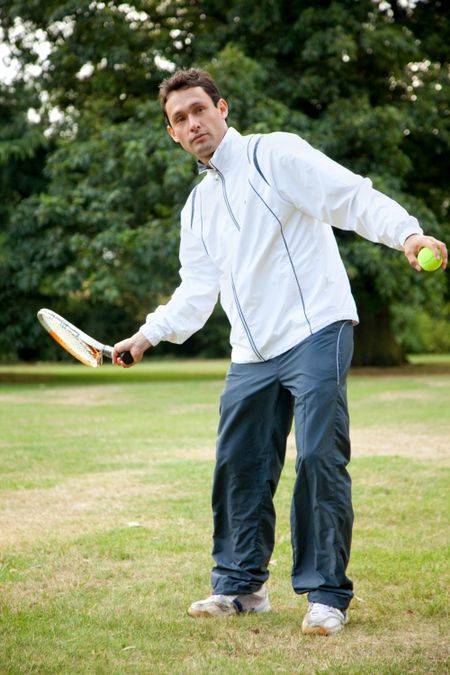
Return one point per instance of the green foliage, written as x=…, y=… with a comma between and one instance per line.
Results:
x=90, y=202
x=22, y=148
x=425, y=329
x=106, y=230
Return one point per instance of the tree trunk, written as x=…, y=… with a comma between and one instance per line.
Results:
x=375, y=343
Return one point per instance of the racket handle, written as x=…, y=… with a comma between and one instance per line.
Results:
x=126, y=358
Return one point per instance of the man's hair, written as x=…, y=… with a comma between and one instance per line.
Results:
x=185, y=79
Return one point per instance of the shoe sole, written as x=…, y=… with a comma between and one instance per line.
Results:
x=319, y=630
x=204, y=614
x=315, y=630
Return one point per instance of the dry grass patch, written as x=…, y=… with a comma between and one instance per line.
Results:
x=77, y=505
x=76, y=396
x=189, y=408
x=420, y=444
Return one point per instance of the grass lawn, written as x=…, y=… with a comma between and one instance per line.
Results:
x=105, y=527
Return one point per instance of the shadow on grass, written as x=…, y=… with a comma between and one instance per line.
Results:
x=76, y=374
x=174, y=370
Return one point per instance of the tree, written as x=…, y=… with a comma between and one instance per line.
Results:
x=372, y=80
x=100, y=239
x=23, y=149
x=367, y=82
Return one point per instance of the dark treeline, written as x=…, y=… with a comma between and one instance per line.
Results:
x=91, y=185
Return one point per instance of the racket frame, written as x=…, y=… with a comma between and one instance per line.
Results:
x=97, y=349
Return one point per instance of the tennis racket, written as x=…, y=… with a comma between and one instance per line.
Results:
x=81, y=346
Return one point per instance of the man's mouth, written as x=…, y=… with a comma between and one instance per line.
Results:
x=199, y=136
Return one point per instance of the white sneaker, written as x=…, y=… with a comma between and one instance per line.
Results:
x=227, y=605
x=323, y=619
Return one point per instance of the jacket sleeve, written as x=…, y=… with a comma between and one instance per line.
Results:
x=329, y=192
x=192, y=302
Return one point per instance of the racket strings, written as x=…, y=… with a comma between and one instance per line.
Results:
x=67, y=338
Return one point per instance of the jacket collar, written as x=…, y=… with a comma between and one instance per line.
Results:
x=224, y=155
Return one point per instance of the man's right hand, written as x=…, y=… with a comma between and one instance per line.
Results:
x=415, y=242
x=136, y=345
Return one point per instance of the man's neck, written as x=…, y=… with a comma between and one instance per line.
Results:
x=205, y=160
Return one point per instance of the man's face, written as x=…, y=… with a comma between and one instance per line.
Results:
x=195, y=122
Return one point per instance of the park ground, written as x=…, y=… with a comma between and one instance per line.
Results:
x=105, y=529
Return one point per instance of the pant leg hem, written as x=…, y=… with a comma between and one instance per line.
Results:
x=331, y=599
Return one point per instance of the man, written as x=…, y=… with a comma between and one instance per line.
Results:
x=257, y=230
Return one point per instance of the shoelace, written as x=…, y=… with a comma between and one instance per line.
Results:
x=317, y=610
x=228, y=601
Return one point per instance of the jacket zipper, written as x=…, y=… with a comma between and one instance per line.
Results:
x=225, y=196
x=287, y=252
x=244, y=323
x=236, y=299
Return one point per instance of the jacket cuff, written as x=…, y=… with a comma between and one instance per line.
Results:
x=412, y=227
x=151, y=333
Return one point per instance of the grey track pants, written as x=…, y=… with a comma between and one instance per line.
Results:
x=257, y=407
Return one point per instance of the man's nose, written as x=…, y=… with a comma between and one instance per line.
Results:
x=193, y=122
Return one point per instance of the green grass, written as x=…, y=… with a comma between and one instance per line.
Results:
x=105, y=528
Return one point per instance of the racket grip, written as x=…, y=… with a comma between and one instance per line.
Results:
x=126, y=358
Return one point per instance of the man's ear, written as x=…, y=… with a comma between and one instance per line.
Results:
x=222, y=105
x=172, y=133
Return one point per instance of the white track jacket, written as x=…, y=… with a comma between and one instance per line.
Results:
x=258, y=230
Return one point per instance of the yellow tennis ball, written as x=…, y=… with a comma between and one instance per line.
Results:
x=427, y=261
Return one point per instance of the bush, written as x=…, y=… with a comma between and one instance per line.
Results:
x=423, y=330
